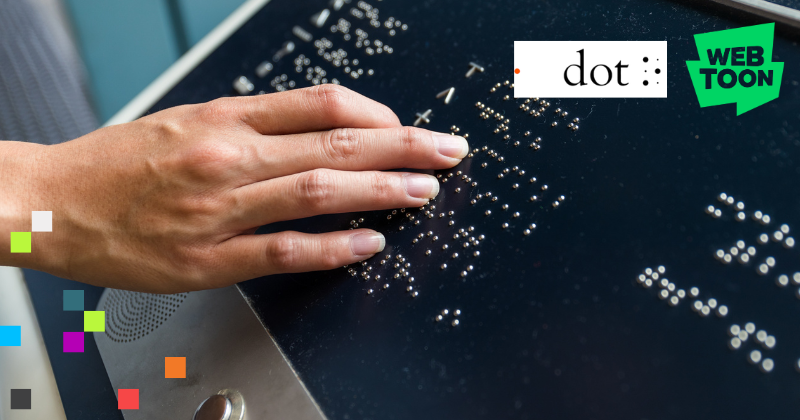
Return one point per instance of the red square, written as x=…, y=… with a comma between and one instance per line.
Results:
x=128, y=399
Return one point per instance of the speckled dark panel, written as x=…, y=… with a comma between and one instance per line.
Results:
x=553, y=324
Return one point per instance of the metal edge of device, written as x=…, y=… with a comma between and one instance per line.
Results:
x=227, y=350
x=177, y=71
x=283, y=355
x=776, y=12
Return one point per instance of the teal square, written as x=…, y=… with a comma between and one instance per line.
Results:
x=73, y=300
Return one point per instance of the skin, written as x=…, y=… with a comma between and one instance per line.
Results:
x=169, y=203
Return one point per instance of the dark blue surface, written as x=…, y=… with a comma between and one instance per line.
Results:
x=83, y=383
x=553, y=324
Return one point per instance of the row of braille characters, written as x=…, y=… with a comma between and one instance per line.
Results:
x=739, y=336
x=244, y=86
x=673, y=295
x=781, y=236
x=650, y=277
x=532, y=102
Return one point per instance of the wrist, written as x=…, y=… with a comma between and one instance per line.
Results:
x=21, y=172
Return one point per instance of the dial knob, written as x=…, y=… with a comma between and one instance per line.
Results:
x=227, y=404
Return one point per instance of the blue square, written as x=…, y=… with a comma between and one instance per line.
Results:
x=10, y=335
x=73, y=300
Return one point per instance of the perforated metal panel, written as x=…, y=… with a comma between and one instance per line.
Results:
x=133, y=315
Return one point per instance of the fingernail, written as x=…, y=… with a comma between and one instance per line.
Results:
x=367, y=243
x=421, y=186
x=451, y=146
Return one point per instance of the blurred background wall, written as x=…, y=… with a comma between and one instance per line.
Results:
x=126, y=44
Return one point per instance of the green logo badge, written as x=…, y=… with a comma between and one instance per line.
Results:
x=736, y=66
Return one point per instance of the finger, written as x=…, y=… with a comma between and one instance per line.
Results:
x=325, y=191
x=313, y=109
x=249, y=256
x=355, y=149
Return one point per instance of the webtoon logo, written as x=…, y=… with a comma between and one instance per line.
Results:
x=590, y=69
x=736, y=66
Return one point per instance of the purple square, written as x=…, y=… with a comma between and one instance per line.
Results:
x=73, y=342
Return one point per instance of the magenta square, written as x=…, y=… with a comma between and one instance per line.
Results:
x=73, y=342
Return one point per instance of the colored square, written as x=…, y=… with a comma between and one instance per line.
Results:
x=175, y=367
x=10, y=335
x=21, y=242
x=128, y=399
x=94, y=321
x=42, y=221
x=73, y=342
x=20, y=399
x=73, y=300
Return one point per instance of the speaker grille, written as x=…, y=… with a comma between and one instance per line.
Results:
x=132, y=315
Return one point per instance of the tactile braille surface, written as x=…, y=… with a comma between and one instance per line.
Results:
x=584, y=261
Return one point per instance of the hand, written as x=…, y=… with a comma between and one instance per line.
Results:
x=170, y=202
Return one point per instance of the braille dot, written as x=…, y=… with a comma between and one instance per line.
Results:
x=438, y=317
x=658, y=71
x=694, y=292
x=750, y=327
x=755, y=356
x=769, y=342
x=735, y=343
x=743, y=335
x=414, y=293
x=526, y=232
x=455, y=322
x=645, y=83
x=488, y=212
x=443, y=266
x=645, y=59
x=476, y=254
x=767, y=365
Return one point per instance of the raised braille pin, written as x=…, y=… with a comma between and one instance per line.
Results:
x=474, y=68
x=447, y=94
x=422, y=118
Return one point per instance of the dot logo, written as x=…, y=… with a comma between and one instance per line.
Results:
x=590, y=69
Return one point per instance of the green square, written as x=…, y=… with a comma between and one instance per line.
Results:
x=94, y=321
x=21, y=242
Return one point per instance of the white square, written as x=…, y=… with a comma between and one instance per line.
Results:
x=42, y=221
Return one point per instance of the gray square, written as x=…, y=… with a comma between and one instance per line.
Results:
x=20, y=399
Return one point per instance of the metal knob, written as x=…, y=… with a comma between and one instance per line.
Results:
x=227, y=404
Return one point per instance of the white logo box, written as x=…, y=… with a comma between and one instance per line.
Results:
x=542, y=65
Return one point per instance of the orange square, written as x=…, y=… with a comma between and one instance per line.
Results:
x=175, y=367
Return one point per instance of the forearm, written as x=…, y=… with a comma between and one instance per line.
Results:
x=20, y=193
